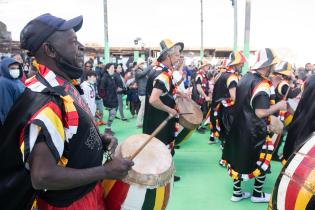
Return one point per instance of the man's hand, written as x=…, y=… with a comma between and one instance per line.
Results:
x=111, y=142
x=117, y=168
x=173, y=112
x=282, y=105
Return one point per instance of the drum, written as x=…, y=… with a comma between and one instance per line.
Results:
x=149, y=182
x=276, y=125
x=182, y=134
x=189, y=121
x=293, y=103
x=294, y=188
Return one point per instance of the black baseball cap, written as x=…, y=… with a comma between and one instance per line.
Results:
x=38, y=30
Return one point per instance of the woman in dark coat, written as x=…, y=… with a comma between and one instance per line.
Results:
x=108, y=92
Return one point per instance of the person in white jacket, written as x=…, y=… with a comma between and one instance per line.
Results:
x=88, y=87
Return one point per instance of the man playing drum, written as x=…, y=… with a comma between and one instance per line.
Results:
x=223, y=98
x=283, y=74
x=161, y=92
x=201, y=90
x=58, y=139
x=249, y=146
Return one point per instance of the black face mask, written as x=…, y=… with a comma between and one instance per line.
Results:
x=71, y=71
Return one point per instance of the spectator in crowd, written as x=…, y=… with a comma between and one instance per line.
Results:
x=121, y=89
x=87, y=68
x=10, y=85
x=308, y=69
x=99, y=70
x=88, y=87
x=133, y=98
x=108, y=91
x=141, y=76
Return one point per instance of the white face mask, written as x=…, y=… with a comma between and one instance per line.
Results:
x=15, y=73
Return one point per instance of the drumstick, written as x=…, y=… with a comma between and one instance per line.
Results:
x=286, y=94
x=155, y=132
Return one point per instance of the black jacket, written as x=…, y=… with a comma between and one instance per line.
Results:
x=108, y=90
x=120, y=83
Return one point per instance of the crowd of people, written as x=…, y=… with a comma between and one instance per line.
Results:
x=52, y=104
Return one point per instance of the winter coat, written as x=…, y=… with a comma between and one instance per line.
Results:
x=10, y=88
x=108, y=90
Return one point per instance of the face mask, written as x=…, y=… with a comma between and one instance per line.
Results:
x=15, y=73
x=91, y=82
x=71, y=71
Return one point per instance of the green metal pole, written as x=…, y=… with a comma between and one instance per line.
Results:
x=135, y=55
x=106, y=44
x=247, y=34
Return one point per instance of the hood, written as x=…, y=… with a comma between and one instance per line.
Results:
x=5, y=63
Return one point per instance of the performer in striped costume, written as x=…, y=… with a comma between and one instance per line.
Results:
x=51, y=143
x=284, y=90
x=223, y=96
x=249, y=146
x=161, y=93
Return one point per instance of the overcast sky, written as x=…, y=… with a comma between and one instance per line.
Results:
x=280, y=24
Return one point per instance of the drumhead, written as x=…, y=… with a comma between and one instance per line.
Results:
x=293, y=103
x=153, y=167
x=189, y=121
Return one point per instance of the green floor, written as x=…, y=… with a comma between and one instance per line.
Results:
x=204, y=184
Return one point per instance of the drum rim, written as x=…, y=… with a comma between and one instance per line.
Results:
x=150, y=181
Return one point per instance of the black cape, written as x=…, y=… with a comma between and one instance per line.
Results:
x=224, y=117
x=16, y=191
x=248, y=132
x=303, y=122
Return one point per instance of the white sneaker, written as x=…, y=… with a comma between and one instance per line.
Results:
x=244, y=196
x=211, y=142
x=263, y=199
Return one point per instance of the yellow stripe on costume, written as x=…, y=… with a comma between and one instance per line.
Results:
x=55, y=120
x=68, y=103
x=232, y=78
x=107, y=185
x=288, y=120
x=256, y=173
x=165, y=79
x=306, y=192
x=22, y=149
x=262, y=87
x=159, y=198
x=281, y=85
x=63, y=161
x=267, y=157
